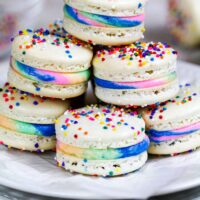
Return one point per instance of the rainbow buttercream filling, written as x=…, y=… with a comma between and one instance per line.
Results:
x=163, y=136
x=137, y=84
x=91, y=19
x=27, y=128
x=103, y=154
x=46, y=76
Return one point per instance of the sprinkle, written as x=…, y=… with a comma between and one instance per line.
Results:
x=76, y=136
x=141, y=52
x=17, y=104
x=140, y=5
x=36, y=145
x=35, y=103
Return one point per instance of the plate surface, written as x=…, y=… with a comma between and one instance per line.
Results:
x=38, y=173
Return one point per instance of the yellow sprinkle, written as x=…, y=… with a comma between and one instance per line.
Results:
x=117, y=169
x=143, y=30
x=65, y=133
x=56, y=121
x=144, y=63
x=25, y=32
x=102, y=123
x=26, y=42
x=135, y=134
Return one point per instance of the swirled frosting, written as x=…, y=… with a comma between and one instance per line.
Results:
x=103, y=154
x=41, y=75
x=91, y=19
x=137, y=84
x=162, y=136
x=27, y=128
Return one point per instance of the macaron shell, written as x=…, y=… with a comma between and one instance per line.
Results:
x=100, y=131
x=127, y=59
x=116, y=7
x=26, y=107
x=46, y=53
x=26, y=142
x=102, y=35
x=138, y=97
x=184, y=144
x=184, y=106
x=102, y=168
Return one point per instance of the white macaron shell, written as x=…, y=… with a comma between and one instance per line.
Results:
x=28, y=108
x=98, y=136
x=51, y=57
x=111, y=67
x=178, y=111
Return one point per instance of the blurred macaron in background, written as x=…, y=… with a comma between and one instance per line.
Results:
x=15, y=16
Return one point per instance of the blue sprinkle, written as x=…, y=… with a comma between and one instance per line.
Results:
x=67, y=51
x=140, y=5
x=46, y=32
x=70, y=56
x=36, y=145
x=17, y=104
x=64, y=127
x=29, y=30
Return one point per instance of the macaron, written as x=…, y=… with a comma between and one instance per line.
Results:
x=104, y=22
x=138, y=74
x=101, y=141
x=27, y=122
x=49, y=64
x=174, y=126
x=184, y=21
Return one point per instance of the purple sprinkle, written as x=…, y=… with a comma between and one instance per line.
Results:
x=36, y=145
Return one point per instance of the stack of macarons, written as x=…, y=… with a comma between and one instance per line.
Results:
x=97, y=140
x=45, y=65
x=136, y=74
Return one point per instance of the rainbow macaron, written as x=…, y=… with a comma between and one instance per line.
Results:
x=27, y=122
x=101, y=141
x=138, y=74
x=113, y=22
x=50, y=64
x=174, y=126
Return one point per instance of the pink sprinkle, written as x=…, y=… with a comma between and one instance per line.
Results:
x=67, y=120
x=91, y=119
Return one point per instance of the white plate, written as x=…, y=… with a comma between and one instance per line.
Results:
x=38, y=173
